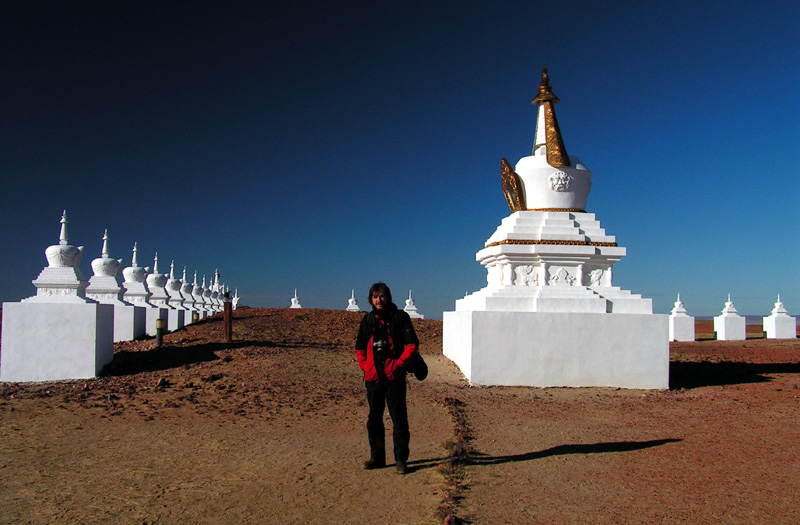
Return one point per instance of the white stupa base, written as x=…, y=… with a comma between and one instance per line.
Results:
x=129, y=322
x=730, y=327
x=175, y=320
x=189, y=316
x=201, y=313
x=176, y=303
x=154, y=313
x=549, y=349
x=44, y=341
x=780, y=327
x=681, y=328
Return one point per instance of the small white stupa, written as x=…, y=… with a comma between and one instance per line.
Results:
x=549, y=314
x=352, y=304
x=217, y=293
x=197, y=294
x=235, y=299
x=681, y=324
x=411, y=308
x=213, y=292
x=156, y=283
x=137, y=293
x=209, y=304
x=188, y=299
x=221, y=296
x=58, y=333
x=730, y=326
x=780, y=325
x=295, y=301
x=176, y=299
x=129, y=320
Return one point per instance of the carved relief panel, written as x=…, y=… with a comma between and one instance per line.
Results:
x=561, y=277
x=527, y=275
x=596, y=277
x=559, y=181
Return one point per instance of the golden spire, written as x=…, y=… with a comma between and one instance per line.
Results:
x=556, y=152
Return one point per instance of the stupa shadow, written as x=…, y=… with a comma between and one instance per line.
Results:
x=706, y=373
x=477, y=458
x=129, y=363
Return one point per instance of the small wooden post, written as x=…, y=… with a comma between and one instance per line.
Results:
x=228, y=318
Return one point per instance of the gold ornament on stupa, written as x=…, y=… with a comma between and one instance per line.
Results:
x=512, y=186
x=556, y=152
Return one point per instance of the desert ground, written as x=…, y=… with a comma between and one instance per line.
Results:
x=269, y=428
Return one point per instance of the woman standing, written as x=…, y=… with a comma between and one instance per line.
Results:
x=385, y=344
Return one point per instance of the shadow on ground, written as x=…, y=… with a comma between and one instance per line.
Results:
x=133, y=362
x=705, y=373
x=477, y=458
x=127, y=362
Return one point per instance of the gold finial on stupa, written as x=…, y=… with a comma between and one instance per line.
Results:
x=556, y=152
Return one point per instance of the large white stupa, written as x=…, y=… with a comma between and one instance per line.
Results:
x=58, y=333
x=549, y=314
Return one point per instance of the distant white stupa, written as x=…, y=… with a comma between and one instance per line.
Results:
x=681, y=324
x=176, y=298
x=207, y=302
x=411, y=308
x=188, y=299
x=138, y=294
x=352, y=304
x=780, y=325
x=197, y=295
x=729, y=325
x=235, y=299
x=156, y=283
x=295, y=300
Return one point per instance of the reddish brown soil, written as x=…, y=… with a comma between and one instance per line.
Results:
x=270, y=429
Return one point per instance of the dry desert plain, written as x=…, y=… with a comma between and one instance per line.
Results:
x=269, y=428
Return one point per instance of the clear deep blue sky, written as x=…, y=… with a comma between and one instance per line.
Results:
x=327, y=145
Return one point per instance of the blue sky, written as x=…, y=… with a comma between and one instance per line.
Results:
x=325, y=146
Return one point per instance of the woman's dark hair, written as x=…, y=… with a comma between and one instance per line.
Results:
x=379, y=287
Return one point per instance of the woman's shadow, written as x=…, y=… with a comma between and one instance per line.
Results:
x=478, y=458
